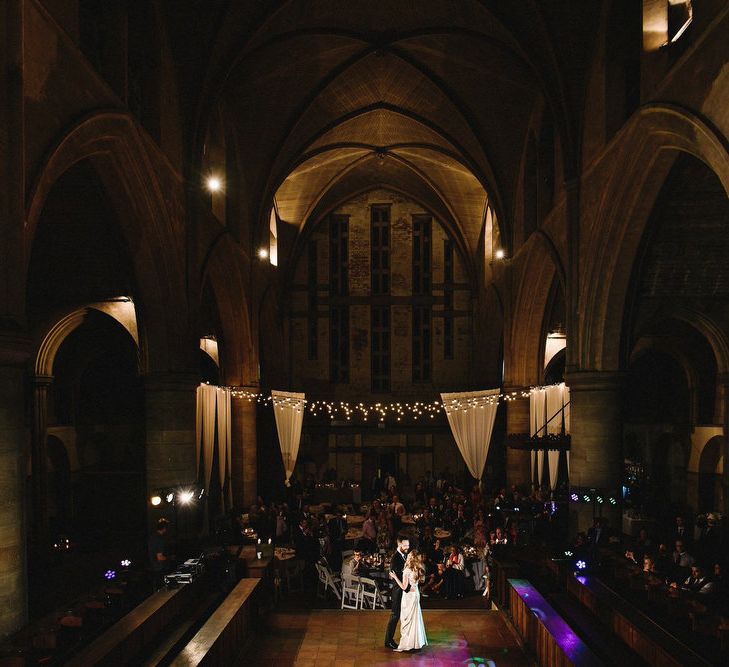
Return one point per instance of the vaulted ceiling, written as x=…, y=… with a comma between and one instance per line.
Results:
x=433, y=99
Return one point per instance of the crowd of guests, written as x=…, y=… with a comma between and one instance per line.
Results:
x=683, y=557
x=435, y=504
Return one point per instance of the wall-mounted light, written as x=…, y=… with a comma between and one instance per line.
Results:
x=213, y=184
x=500, y=254
x=263, y=253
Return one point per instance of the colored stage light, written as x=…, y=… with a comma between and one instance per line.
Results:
x=109, y=575
x=574, y=497
x=580, y=565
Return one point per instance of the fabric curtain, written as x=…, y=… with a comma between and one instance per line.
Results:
x=553, y=461
x=568, y=465
x=554, y=394
x=198, y=426
x=288, y=408
x=537, y=410
x=567, y=406
x=223, y=405
x=540, y=466
x=533, y=459
x=209, y=396
x=471, y=417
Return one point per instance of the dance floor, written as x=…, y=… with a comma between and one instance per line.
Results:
x=329, y=638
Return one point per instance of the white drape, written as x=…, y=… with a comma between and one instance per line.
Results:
x=209, y=396
x=224, y=434
x=471, y=417
x=533, y=459
x=567, y=406
x=540, y=466
x=537, y=410
x=288, y=408
x=213, y=429
x=554, y=395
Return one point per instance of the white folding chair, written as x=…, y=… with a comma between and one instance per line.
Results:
x=371, y=594
x=331, y=581
x=351, y=591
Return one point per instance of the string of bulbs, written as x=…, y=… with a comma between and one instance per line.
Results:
x=381, y=411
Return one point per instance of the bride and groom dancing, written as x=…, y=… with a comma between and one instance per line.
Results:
x=406, y=571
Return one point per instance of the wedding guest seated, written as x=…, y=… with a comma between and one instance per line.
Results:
x=682, y=561
x=697, y=582
x=479, y=530
x=435, y=581
x=455, y=573
x=435, y=554
x=356, y=566
x=500, y=538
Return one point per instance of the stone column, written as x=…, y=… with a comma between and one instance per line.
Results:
x=518, y=464
x=13, y=436
x=244, y=449
x=39, y=456
x=170, y=430
x=724, y=380
x=596, y=456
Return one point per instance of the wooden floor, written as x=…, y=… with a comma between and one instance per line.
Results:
x=329, y=638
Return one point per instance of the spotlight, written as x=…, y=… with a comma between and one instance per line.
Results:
x=586, y=498
x=568, y=553
x=202, y=493
x=574, y=497
x=185, y=497
x=155, y=500
x=109, y=575
x=499, y=254
x=263, y=253
x=170, y=497
x=613, y=501
x=599, y=500
x=126, y=562
x=213, y=184
x=580, y=565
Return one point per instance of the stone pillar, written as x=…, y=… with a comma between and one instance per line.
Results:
x=170, y=430
x=518, y=464
x=13, y=577
x=244, y=449
x=724, y=380
x=596, y=456
x=39, y=456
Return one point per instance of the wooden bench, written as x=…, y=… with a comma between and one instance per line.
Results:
x=220, y=639
x=649, y=640
x=134, y=633
x=544, y=631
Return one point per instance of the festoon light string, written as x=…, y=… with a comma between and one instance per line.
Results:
x=381, y=411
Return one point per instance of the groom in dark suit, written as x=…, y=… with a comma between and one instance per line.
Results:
x=396, y=565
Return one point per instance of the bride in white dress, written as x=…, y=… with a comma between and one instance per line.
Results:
x=412, y=628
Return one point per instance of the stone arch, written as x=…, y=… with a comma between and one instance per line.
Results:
x=649, y=145
x=237, y=351
x=526, y=328
x=114, y=146
x=52, y=339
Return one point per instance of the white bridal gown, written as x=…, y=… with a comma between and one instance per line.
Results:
x=412, y=629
